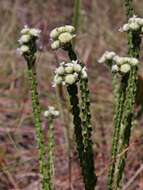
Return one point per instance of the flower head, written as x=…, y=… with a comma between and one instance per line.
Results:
x=69, y=73
x=134, y=24
x=28, y=35
x=51, y=113
x=60, y=36
x=121, y=65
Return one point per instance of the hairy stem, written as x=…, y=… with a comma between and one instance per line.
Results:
x=72, y=91
x=134, y=41
x=116, y=135
x=129, y=8
x=76, y=16
x=87, y=133
x=50, y=165
x=37, y=120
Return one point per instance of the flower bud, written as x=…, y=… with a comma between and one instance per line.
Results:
x=24, y=49
x=69, y=69
x=55, y=45
x=35, y=32
x=25, y=30
x=54, y=34
x=60, y=70
x=58, y=80
x=134, y=61
x=70, y=28
x=134, y=26
x=125, y=68
x=77, y=67
x=65, y=37
x=70, y=79
x=126, y=27
x=115, y=68
x=84, y=73
x=24, y=38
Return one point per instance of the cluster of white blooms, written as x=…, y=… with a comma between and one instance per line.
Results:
x=51, y=113
x=134, y=24
x=27, y=34
x=69, y=73
x=123, y=64
x=61, y=36
x=119, y=64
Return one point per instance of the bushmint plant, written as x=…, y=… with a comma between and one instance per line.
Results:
x=74, y=72
x=50, y=115
x=134, y=28
x=28, y=50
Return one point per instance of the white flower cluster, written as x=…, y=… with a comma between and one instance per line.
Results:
x=26, y=35
x=61, y=36
x=51, y=113
x=69, y=73
x=119, y=64
x=134, y=24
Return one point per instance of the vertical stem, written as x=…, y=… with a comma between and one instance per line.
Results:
x=87, y=132
x=72, y=91
x=88, y=157
x=50, y=165
x=127, y=123
x=134, y=41
x=76, y=16
x=37, y=120
x=67, y=130
x=129, y=8
x=116, y=135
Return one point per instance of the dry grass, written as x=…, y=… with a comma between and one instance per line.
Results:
x=100, y=22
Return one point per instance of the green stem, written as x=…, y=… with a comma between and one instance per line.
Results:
x=50, y=165
x=129, y=8
x=72, y=91
x=127, y=123
x=87, y=133
x=116, y=135
x=37, y=120
x=76, y=16
x=134, y=41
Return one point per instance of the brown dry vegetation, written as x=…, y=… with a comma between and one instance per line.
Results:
x=100, y=21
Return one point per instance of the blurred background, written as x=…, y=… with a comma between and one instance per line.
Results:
x=98, y=31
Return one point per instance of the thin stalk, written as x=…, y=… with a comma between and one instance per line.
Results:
x=72, y=91
x=127, y=123
x=134, y=41
x=63, y=107
x=76, y=15
x=37, y=120
x=50, y=165
x=88, y=156
x=129, y=8
x=116, y=135
x=91, y=178
x=67, y=130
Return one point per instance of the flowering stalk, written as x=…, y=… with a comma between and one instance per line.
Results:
x=117, y=129
x=50, y=114
x=83, y=135
x=134, y=41
x=90, y=177
x=88, y=159
x=72, y=91
x=119, y=66
x=28, y=50
x=87, y=133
